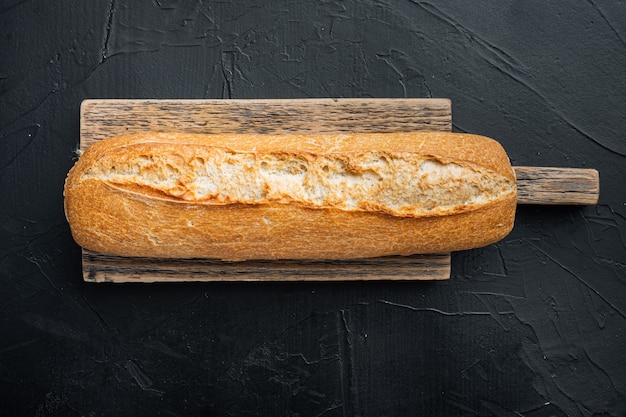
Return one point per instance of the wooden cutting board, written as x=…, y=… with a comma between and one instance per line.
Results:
x=105, y=118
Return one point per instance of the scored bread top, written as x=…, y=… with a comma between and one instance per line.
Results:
x=400, y=174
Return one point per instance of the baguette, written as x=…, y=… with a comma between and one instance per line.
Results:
x=327, y=196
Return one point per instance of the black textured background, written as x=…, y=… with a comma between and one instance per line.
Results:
x=533, y=326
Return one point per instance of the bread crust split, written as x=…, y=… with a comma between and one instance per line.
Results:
x=339, y=196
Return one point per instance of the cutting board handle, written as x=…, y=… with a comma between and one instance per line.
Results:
x=557, y=186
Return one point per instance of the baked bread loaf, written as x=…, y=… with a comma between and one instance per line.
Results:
x=327, y=196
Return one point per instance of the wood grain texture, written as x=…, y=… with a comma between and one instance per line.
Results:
x=105, y=268
x=551, y=186
x=105, y=118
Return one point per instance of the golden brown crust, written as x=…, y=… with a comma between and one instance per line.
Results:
x=130, y=220
x=474, y=149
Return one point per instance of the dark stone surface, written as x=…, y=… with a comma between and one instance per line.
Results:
x=532, y=326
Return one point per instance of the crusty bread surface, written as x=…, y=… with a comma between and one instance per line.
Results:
x=330, y=196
